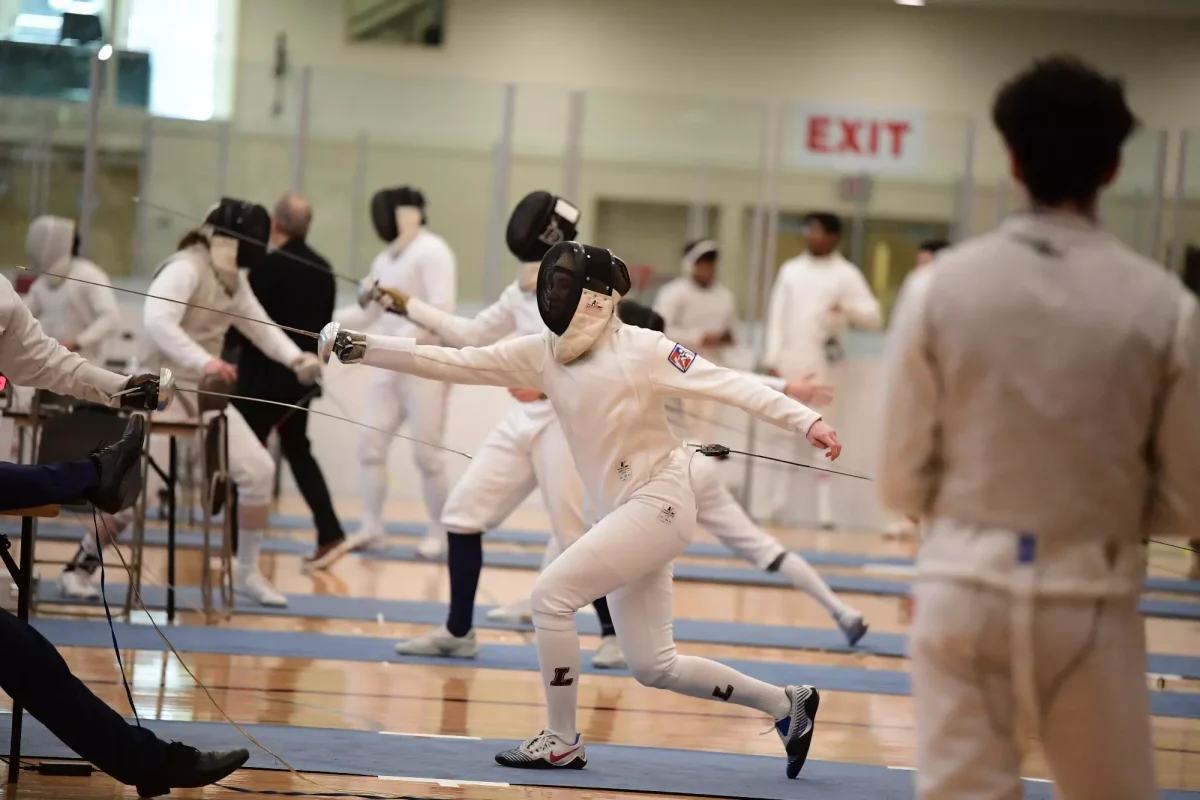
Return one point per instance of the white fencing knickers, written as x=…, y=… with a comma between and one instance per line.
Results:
x=983, y=660
x=392, y=399
x=525, y=451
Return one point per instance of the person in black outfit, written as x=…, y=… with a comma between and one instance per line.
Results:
x=296, y=287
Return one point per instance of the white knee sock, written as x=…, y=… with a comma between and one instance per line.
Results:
x=434, y=489
x=801, y=575
x=711, y=680
x=558, y=656
x=373, y=479
x=249, y=547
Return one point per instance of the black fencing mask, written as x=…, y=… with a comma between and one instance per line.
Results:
x=638, y=315
x=397, y=214
x=540, y=221
x=244, y=226
x=578, y=287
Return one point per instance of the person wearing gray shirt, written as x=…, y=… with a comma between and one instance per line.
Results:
x=1040, y=394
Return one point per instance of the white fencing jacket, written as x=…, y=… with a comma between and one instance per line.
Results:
x=610, y=401
x=1043, y=381
x=425, y=269
x=800, y=317
x=28, y=357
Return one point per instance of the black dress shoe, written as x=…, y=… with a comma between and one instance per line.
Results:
x=120, y=471
x=188, y=768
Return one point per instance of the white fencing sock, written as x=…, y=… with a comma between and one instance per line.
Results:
x=801, y=575
x=558, y=657
x=249, y=547
x=712, y=680
x=373, y=480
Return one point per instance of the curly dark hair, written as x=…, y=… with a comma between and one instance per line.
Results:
x=1064, y=123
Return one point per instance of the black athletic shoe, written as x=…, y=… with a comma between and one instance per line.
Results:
x=796, y=729
x=188, y=768
x=120, y=471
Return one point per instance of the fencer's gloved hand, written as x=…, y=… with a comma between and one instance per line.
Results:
x=349, y=347
x=149, y=391
x=307, y=368
x=367, y=288
x=393, y=300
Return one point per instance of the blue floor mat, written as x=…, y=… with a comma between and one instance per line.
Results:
x=295, y=644
x=740, y=576
x=610, y=767
x=686, y=630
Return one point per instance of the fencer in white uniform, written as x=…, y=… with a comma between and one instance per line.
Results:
x=720, y=514
x=420, y=264
x=195, y=295
x=526, y=451
x=1041, y=384
x=700, y=314
x=81, y=313
x=607, y=383
x=816, y=297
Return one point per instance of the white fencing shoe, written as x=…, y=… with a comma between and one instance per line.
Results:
x=547, y=750
x=517, y=612
x=796, y=729
x=439, y=642
x=432, y=546
x=253, y=583
x=77, y=585
x=854, y=626
x=609, y=655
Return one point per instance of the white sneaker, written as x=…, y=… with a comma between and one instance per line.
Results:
x=371, y=539
x=547, y=750
x=796, y=729
x=324, y=558
x=254, y=584
x=77, y=585
x=516, y=613
x=608, y=655
x=439, y=642
x=432, y=546
x=853, y=625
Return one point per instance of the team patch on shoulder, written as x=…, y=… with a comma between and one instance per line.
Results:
x=681, y=358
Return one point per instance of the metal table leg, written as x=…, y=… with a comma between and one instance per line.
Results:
x=23, y=595
x=172, y=480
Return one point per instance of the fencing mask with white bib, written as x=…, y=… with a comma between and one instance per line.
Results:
x=50, y=246
x=540, y=221
x=578, y=287
x=237, y=232
x=398, y=215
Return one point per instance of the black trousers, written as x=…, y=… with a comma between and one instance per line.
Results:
x=33, y=674
x=293, y=438
x=29, y=485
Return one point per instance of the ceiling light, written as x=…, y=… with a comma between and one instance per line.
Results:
x=105, y=52
x=910, y=2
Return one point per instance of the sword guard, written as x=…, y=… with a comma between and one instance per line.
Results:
x=150, y=392
x=713, y=450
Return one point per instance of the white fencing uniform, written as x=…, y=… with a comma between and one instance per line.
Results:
x=424, y=269
x=1041, y=388
x=800, y=320
x=526, y=450
x=609, y=402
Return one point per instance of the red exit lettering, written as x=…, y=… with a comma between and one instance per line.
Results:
x=868, y=137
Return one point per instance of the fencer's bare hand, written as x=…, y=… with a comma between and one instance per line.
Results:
x=224, y=369
x=774, y=373
x=524, y=395
x=71, y=345
x=808, y=391
x=824, y=437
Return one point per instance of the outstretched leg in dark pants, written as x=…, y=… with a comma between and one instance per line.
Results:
x=29, y=485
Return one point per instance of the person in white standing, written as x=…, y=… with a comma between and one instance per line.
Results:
x=816, y=296
x=192, y=297
x=701, y=315
x=607, y=383
x=526, y=451
x=81, y=316
x=1040, y=395
x=420, y=264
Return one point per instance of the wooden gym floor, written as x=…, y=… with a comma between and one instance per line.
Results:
x=467, y=701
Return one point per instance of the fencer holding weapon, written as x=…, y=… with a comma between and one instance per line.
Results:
x=81, y=316
x=525, y=451
x=421, y=264
x=816, y=297
x=607, y=383
x=1047, y=336
x=195, y=295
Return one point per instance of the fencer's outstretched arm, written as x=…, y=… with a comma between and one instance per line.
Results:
x=490, y=325
x=691, y=376
x=29, y=357
x=859, y=303
x=272, y=341
x=103, y=302
x=514, y=363
x=163, y=319
x=1175, y=506
x=909, y=455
